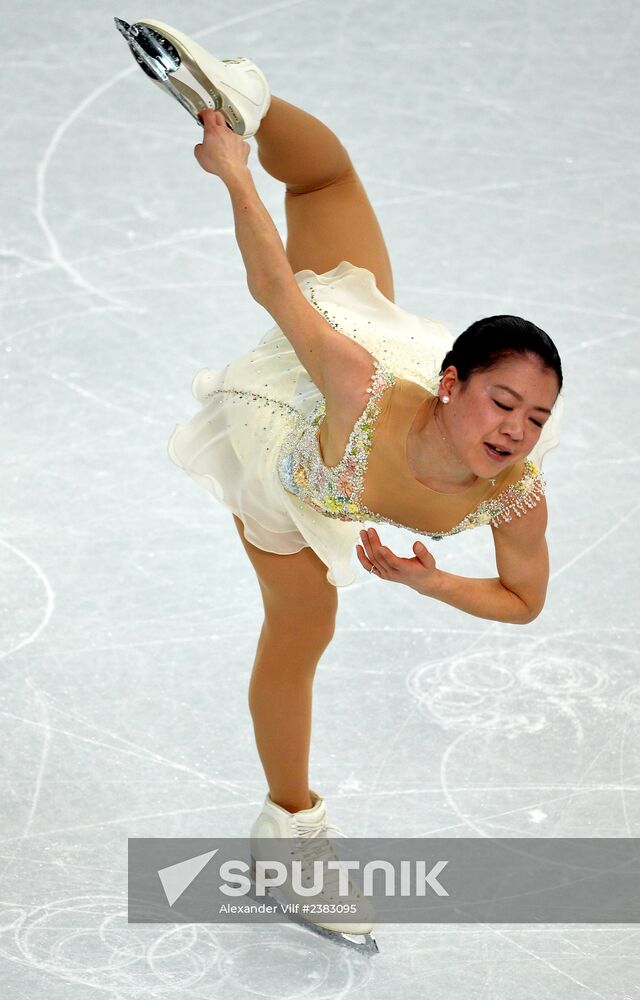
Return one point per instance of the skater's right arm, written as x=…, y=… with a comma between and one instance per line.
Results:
x=225, y=154
x=263, y=253
x=340, y=367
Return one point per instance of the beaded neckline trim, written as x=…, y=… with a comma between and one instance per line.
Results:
x=515, y=499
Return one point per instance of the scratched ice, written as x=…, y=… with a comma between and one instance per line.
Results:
x=498, y=144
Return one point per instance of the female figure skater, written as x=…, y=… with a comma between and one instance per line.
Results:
x=348, y=410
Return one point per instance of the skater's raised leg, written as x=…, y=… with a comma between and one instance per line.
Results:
x=329, y=216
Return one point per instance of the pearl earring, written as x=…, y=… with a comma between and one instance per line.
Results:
x=445, y=399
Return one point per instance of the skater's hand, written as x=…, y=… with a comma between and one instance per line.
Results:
x=414, y=573
x=221, y=150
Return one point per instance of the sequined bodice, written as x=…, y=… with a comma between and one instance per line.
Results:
x=332, y=490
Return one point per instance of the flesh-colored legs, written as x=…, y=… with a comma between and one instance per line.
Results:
x=329, y=219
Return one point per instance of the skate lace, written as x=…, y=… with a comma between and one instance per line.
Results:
x=311, y=851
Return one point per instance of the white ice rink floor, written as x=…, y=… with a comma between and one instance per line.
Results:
x=498, y=143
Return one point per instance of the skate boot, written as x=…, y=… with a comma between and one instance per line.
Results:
x=310, y=830
x=198, y=80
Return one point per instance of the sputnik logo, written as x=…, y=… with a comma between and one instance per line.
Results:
x=176, y=878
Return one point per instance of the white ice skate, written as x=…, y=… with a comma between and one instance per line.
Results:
x=198, y=80
x=311, y=824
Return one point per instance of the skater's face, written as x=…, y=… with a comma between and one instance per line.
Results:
x=505, y=406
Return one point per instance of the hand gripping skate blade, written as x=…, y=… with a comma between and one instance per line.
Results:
x=363, y=944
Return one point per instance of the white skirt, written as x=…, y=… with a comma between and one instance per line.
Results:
x=231, y=446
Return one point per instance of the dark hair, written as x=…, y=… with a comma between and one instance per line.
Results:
x=489, y=340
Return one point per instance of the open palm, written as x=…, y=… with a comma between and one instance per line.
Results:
x=387, y=565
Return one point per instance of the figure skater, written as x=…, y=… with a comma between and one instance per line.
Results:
x=349, y=410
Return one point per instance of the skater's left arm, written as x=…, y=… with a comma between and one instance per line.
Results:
x=515, y=596
x=522, y=557
x=518, y=593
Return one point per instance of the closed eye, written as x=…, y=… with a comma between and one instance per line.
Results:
x=509, y=408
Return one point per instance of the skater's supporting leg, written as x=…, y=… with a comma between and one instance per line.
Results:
x=280, y=700
x=329, y=216
x=300, y=608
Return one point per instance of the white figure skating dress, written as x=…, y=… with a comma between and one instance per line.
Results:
x=256, y=442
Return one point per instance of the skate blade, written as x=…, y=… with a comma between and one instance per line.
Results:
x=157, y=62
x=362, y=944
x=158, y=55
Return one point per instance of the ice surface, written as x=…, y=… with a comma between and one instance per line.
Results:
x=498, y=143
